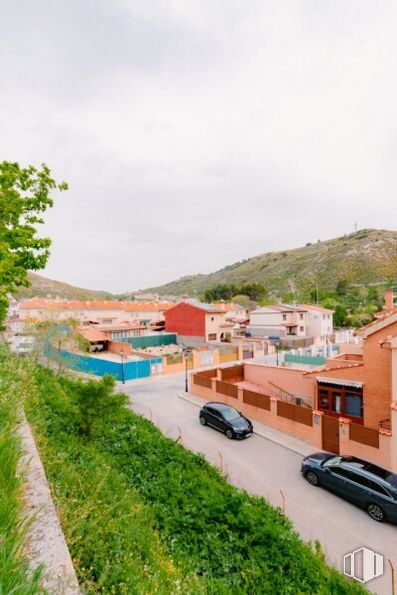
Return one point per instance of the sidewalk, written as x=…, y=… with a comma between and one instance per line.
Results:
x=290, y=442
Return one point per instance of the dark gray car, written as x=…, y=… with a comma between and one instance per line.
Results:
x=363, y=483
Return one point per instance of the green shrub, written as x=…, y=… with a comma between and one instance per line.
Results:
x=187, y=531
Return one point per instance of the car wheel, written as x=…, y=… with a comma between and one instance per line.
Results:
x=312, y=478
x=229, y=434
x=203, y=421
x=376, y=512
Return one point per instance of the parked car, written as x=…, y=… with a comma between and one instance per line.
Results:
x=363, y=483
x=226, y=419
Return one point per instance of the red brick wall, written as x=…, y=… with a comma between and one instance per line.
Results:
x=377, y=365
x=289, y=379
x=117, y=346
x=185, y=319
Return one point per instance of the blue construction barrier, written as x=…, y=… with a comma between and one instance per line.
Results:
x=99, y=367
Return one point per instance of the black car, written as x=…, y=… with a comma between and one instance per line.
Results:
x=226, y=419
x=365, y=484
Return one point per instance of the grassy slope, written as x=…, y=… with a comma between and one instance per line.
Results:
x=15, y=576
x=364, y=257
x=42, y=287
x=141, y=514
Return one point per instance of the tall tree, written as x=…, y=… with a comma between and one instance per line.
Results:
x=25, y=194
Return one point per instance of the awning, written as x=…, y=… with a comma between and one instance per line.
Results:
x=340, y=382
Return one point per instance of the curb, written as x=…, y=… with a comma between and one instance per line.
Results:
x=47, y=544
x=260, y=434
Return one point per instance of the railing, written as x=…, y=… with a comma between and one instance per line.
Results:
x=295, y=413
x=202, y=381
x=365, y=435
x=233, y=374
x=230, y=390
x=256, y=399
x=208, y=373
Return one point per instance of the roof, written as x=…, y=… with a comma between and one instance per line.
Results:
x=293, y=308
x=93, y=335
x=389, y=318
x=315, y=308
x=210, y=308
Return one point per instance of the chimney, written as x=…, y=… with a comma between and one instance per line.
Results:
x=389, y=299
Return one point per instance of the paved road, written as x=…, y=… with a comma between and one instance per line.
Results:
x=268, y=469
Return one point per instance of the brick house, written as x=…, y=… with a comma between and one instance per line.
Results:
x=197, y=323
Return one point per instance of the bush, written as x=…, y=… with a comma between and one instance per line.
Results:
x=185, y=523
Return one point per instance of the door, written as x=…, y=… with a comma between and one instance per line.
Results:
x=330, y=433
x=214, y=418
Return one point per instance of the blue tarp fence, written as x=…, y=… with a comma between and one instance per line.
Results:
x=100, y=367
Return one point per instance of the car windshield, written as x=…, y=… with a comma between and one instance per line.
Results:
x=229, y=414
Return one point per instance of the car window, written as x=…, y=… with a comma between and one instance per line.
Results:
x=214, y=412
x=379, y=489
x=230, y=414
x=348, y=474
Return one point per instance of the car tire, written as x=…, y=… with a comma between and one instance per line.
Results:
x=203, y=421
x=376, y=512
x=312, y=478
x=229, y=434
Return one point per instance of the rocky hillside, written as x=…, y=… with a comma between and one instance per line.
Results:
x=366, y=257
x=43, y=287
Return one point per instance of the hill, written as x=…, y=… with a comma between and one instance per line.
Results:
x=43, y=287
x=366, y=257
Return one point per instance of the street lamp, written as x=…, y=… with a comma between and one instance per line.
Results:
x=186, y=352
x=122, y=366
x=277, y=346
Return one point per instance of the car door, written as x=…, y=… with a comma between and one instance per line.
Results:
x=349, y=484
x=214, y=418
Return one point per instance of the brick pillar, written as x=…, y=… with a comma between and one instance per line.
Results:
x=239, y=352
x=393, y=440
x=344, y=439
x=240, y=395
x=317, y=436
x=389, y=300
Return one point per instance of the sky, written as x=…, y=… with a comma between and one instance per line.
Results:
x=197, y=133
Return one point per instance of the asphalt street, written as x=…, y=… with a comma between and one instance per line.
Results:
x=271, y=470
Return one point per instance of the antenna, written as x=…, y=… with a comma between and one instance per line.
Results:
x=355, y=226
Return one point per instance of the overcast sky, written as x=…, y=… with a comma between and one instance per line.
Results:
x=195, y=133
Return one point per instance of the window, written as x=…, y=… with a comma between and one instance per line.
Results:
x=353, y=405
x=301, y=316
x=337, y=403
x=212, y=337
x=301, y=329
x=351, y=475
x=323, y=402
x=379, y=489
x=340, y=400
x=212, y=319
x=284, y=317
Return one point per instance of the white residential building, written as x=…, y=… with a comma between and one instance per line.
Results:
x=291, y=322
